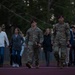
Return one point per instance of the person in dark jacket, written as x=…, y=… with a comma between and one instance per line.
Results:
x=72, y=49
x=47, y=45
x=16, y=42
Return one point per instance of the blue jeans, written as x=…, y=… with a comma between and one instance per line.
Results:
x=1, y=55
x=16, y=56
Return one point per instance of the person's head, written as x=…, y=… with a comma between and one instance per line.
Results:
x=17, y=30
x=0, y=29
x=61, y=19
x=73, y=29
x=3, y=27
x=47, y=31
x=33, y=23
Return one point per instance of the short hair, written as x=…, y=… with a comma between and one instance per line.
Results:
x=33, y=20
x=18, y=30
x=72, y=26
x=60, y=16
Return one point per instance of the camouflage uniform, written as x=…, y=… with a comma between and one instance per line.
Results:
x=33, y=36
x=60, y=37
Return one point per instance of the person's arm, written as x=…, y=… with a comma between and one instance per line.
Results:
x=6, y=39
x=22, y=40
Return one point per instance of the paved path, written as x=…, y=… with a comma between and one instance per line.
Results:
x=40, y=71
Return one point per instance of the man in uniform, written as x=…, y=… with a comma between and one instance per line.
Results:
x=34, y=38
x=61, y=37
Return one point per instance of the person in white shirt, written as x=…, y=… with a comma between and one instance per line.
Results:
x=3, y=39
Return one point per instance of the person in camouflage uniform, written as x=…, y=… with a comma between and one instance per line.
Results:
x=61, y=37
x=34, y=38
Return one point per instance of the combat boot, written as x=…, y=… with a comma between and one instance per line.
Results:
x=57, y=58
x=29, y=65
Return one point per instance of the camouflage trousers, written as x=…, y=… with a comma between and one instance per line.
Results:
x=33, y=54
x=60, y=48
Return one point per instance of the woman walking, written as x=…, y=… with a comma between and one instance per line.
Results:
x=47, y=45
x=16, y=42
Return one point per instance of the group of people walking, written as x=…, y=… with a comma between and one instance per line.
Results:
x=57, y=41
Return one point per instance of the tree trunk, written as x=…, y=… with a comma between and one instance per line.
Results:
x=49, y=6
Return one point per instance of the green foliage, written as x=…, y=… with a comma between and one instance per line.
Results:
x=19, y=12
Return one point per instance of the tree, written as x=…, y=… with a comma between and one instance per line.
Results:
x=19, y=12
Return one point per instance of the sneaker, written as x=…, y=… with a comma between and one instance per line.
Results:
x=14, y=65
x=17, y=65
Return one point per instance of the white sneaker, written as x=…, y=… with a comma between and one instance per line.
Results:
x=17, y=65
x=14, y=65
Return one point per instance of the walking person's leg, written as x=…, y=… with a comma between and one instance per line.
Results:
x=13, y=58
x=70, y=57
x=63, y=55
x=20, y=64
x=36, y=55
x=67, y=57
x=18, y=58
x=29, y=56
x=1, y=56
x=74, y=56
x=46, y=58
x=56, y=52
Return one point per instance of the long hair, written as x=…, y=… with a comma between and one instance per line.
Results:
x=46, y=32
x=18, y=30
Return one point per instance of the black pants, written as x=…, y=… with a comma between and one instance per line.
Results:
x=36, y=54
x=72, y=55
x=47, y=57
x=20, y=64
x=11, y=58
